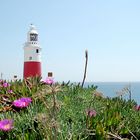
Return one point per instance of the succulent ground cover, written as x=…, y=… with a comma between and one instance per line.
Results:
x=44, y=110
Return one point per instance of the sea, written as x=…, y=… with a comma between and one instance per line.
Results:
x=111, y=89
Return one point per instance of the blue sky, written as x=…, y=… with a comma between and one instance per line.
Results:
x=108, y=29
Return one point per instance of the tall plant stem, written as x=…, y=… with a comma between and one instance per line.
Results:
x=130, y=96
x=54, y=116
x=85, y=71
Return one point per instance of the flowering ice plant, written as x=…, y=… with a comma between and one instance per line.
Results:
x=6, y=125
x=137, y=107
x=91, y=112
x=49, y=81
x=22, y=102
x=5, y=84
x=10, y=91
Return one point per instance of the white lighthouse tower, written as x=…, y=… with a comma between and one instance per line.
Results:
x=32, y=54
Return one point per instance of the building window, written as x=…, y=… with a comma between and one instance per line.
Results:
x=30, y=58
x=33, y=37
x=37, y=50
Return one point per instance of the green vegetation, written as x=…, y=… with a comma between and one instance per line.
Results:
x=66, y=112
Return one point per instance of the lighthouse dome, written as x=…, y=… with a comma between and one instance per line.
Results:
x=32, y=29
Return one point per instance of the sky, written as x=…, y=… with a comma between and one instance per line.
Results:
x=108, y=29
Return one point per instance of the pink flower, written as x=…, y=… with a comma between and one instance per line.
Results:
x=22, y=102
x=10, y=91
x=91, y=113
x=6, y=84
x=49, y=81
x=6, y=125
x=137, y=107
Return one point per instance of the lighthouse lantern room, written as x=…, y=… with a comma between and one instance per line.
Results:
x=32, y=54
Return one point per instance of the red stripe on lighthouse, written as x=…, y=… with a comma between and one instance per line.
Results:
x=32, y=69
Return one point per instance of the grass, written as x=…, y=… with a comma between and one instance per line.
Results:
x=59, y=112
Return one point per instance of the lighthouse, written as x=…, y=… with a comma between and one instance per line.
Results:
x=32, y=54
